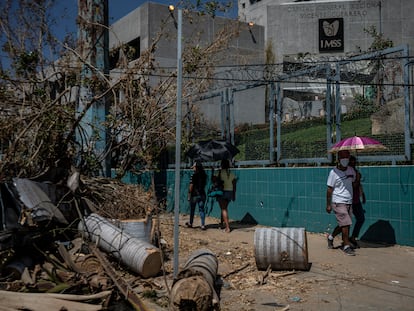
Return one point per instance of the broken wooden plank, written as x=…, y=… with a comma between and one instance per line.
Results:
x=100, y=295
x=118, y=280
x=48, y=302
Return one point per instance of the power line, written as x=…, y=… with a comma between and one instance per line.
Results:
x=259, y=69
x=297, y=62
x=267, y=81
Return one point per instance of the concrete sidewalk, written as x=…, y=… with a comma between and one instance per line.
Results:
x=377, y=278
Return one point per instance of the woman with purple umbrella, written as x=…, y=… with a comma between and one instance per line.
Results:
x=339, y=200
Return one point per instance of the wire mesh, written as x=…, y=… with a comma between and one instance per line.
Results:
x=317, y=102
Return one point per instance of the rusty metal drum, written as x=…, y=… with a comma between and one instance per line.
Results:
x=281, y=248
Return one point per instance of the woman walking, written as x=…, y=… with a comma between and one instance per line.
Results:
x=229, y=191
x=197, y=194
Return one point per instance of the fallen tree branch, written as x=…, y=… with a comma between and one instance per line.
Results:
x=262, y=278
x=284, y=274
x=120, y=283
x=235, y=271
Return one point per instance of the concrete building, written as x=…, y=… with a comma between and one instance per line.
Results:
x=327, y=30
x=329, y=27
x=317, y=30
x=141, y=26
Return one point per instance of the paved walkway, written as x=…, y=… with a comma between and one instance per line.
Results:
x=377, y=278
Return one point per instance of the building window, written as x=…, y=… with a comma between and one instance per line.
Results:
x=131, y=51
x=113, y=59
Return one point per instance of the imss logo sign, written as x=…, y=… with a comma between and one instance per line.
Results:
x=331, y=35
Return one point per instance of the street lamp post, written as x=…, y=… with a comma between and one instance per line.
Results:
x=380, y=17
x=177, y=143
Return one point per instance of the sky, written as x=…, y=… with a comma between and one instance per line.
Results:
x=116, y=10
x=65, y=12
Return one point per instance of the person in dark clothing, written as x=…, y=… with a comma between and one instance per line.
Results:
x=197, y=194
x=357, y=201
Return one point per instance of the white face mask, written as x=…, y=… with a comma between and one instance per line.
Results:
x=344, y=162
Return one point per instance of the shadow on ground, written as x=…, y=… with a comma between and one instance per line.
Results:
x=379, y=234
x=246, y=222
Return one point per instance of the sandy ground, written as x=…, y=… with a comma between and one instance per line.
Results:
x=379, y=277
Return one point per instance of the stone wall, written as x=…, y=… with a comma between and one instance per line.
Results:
x=389, y=119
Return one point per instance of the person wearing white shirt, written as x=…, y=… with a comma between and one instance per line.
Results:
x=339, y=199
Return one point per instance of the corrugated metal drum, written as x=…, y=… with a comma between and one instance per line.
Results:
x=138, y=228
x=142, y=257
x=282, y=248
x=204, y=261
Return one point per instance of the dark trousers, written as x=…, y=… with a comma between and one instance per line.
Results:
x=200, y=201
x=359, y=214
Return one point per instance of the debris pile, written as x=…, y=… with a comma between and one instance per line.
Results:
x=83, y=243
x=45, y=260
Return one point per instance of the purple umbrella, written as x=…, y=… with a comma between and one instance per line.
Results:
x=358, y=143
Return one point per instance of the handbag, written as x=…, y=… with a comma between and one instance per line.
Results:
x=217, y=188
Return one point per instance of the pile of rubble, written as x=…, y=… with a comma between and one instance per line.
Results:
x=62, y=243
x=78, y=243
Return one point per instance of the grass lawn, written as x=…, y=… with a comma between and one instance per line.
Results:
x=360, y=127
x=302, y=142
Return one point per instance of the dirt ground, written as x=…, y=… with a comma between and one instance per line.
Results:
x=379, y=277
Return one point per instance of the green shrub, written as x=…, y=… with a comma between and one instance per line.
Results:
x=363, y=107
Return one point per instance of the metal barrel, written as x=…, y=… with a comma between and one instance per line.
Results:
x=194, y=289
x=140, y=256
x=281, y=248
x=138, y=228
x=16, y=267
x=204, y=261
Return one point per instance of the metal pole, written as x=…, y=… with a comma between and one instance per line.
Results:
x=271, y=99
x=338, y=110
x=380, y=17
x=223, y=114
x=328, y=111
x=407, y=122
x=278, y=121
x=177, y=146
x=231, y=115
